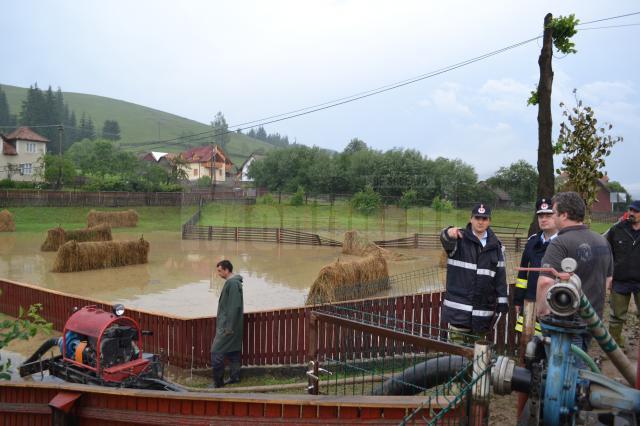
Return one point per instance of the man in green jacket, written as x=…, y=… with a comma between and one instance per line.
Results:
x=227, y=342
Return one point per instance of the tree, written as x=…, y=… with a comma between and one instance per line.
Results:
x=111, y=130
x=355, y=145
x=518, y=180
x=86, y=128
x=366, y=201
x=221, y=136
x=57, y=169
x=22, y=328
x=585, y=146
x=557, y=32
x=6, y=119
x=177, y=169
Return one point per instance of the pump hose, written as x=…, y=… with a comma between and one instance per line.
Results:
x=586, y=358
x=427, y=374
x=49, y=343
x=606, y=342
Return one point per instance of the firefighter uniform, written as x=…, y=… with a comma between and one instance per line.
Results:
x=476, y=281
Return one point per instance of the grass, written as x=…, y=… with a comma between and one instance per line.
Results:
x=313, y=218
x=341, y=217
x=40, y=219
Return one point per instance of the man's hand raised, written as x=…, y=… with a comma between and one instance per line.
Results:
x=454, y=233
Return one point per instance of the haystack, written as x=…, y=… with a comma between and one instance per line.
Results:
x=122, y=219
x=58, y=236
x=74, y=256
x=340, y=281
x=6, y=221
x=357, y=245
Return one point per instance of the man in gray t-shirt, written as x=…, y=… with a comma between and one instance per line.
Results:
x=589, y=249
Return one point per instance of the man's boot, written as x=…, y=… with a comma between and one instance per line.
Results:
x=234, y=373
x=615, y=330
x=218, y=380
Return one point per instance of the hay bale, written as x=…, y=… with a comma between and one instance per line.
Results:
x=58, y=236
x=357, y=245
x=6, y=221
x=122, y=219
x=340, y=281
x=74, y=256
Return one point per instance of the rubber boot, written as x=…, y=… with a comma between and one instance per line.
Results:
x=218, y=379
x=615, y=330
x=234, y=373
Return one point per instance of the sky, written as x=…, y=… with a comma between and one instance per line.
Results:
x=255, y=59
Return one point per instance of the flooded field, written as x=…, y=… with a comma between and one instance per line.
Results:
x=180, y=276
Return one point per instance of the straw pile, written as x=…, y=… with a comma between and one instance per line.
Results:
x=340, y=281
x=74, y=256
x=127, y=218
x=357, y=245
x=58, y=236
x=6, y=221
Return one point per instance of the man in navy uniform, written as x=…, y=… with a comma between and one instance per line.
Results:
x=476, y=277
x=534, y=250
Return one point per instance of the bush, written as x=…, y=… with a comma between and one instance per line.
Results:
x=7, y=184
x=265, y=199
x=366, y=201
x=170, y=187
x=408, y=199
x=441, y=205
x=297, y=199
x=204, y=182
x=108, y=183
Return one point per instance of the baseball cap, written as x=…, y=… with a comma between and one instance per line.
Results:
x=543, y=205
x=481, y=210
x=635, y=205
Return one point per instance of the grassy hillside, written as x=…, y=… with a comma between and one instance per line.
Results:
x=139, y=123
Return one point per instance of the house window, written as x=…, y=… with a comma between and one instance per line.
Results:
x=26, y=169
x=195, y=172
x=31, y=147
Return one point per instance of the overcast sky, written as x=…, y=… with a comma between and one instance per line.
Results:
x=253, y=59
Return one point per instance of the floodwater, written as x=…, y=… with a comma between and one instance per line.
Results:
x=180, y=277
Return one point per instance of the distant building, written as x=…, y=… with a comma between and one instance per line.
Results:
x=22, y=150
x=243, y=173
x=208, y=161
x=162, y=159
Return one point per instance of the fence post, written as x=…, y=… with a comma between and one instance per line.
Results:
x=415, y=240
x=210, y=232
x=237, y=233
x=278, y=236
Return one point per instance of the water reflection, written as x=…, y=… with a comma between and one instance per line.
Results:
x=180, y=276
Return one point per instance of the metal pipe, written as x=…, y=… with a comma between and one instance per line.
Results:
x=606, y=342
x=481, y=362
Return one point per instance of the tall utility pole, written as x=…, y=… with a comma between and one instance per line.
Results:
x=546, y=184
x=60, y=137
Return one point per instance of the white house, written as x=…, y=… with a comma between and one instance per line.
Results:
x=22, y=150
x=208, y=161
x=243, y=175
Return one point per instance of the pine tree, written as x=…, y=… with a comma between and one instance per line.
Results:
x=111, y=130
x=6, y=119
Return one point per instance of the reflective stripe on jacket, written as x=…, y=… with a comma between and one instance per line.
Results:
x=527, y=282
x=476, y=280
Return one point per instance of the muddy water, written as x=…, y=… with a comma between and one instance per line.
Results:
x=180, y=276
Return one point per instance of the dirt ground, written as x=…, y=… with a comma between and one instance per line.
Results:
x=502, y=409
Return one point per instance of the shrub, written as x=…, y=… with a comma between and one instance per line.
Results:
x=265, y=199
x=366, y=201
x=297, y=199
x=7, y=184
x=204, y=182
x=409, y=198
x=441, y=205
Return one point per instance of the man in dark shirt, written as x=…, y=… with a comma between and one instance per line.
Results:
x=624, y=238
x=589, y=249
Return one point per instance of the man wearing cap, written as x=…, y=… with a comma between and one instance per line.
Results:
x=624, y=239
x=532, y=258
x=476, y=278
x=588, y=248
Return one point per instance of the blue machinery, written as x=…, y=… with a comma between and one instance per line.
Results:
x=561, y=391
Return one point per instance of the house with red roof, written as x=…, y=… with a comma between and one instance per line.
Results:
x=210, y=161
x=21, y=153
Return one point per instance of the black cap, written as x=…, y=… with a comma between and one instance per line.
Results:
x=543, y=205
x=481, y=210
x=635, y=205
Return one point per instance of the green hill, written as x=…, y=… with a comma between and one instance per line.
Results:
x=140, y=124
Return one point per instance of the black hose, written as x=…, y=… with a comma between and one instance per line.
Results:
x=48, y=344
x=427, y=374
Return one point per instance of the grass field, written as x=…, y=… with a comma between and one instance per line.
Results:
x=40, y=219
x=139, y=123
x=319, y=219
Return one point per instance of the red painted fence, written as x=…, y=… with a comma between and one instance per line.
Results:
x=277, y=337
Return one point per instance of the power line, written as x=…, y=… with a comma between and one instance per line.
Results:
x=608, y=19
x=611, y=26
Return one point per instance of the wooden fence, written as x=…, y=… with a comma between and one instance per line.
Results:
x=512, y=243
x=270, y=235
x=47, y=198
x=277, y=337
